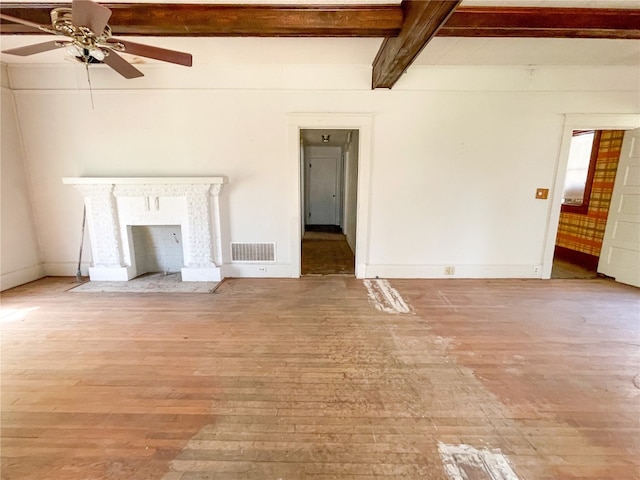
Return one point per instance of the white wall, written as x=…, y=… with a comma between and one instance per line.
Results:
x=19, y=255
x=456, y=155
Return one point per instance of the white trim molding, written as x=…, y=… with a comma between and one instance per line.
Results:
x=363, y=122
x=20, y=277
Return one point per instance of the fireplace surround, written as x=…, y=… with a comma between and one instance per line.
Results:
x=115, y=204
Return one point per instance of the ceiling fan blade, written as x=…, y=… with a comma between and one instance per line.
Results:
x=171, y=56
x=121, y=66
x=27, y=23
x=86, y=13
x=33, y=49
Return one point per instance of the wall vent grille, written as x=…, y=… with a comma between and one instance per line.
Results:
x=253, y=252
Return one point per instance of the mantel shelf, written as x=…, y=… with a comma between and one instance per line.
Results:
x=143, y=180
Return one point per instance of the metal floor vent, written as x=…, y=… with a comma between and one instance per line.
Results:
x=253, y=252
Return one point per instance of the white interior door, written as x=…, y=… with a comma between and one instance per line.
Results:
x=323, y=191
x=620, y=256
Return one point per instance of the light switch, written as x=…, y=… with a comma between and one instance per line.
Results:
x=542, y=193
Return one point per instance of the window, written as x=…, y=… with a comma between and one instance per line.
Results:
x=581, y=168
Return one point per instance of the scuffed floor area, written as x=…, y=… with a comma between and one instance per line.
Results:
x=309, y=379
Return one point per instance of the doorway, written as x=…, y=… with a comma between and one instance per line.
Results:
x=589, y=179
x=604, y=213
x=356, y=218
x=329, y=164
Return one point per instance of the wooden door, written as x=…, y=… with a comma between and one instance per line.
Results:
x=620, y=256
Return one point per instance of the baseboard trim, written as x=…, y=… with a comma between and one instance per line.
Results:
x=256, y=270
x=65, y=269
x=20, y=277
x=459, y=271
x=245, y=270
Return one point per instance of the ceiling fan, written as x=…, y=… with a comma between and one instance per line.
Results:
x=89, y=39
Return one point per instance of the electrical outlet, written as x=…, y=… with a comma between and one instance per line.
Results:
x=262, y=269
x=537, y=269
x=449, y=270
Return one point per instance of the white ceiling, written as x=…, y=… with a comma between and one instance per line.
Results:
x=529, y=51
x=362, y=51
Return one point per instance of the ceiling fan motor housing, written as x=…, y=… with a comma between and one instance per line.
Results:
x=84, y=41
x=84, y=37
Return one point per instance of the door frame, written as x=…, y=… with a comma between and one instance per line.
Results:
x=362, y=122
x=621, y=121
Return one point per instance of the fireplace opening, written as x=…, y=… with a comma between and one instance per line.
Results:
x=157, y=249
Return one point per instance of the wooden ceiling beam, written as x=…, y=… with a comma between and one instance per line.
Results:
x=543, y=22
x=162, y=19
x=421, y=22
x=230, y=20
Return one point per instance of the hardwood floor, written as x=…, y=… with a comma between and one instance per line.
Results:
x=564, y=269
x=307, y=379
x=325, y=253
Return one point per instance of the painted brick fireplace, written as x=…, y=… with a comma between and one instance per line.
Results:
x=117, y=204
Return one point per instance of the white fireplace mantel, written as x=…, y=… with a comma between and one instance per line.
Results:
x=143, y=180
x=115, y=204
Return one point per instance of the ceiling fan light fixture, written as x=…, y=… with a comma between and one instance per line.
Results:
x=325, y=138
x=97, y=53
x=74, y=50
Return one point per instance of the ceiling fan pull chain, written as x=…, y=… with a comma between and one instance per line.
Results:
x=86, y=66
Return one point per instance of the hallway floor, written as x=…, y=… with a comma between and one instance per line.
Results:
x=325, y=253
